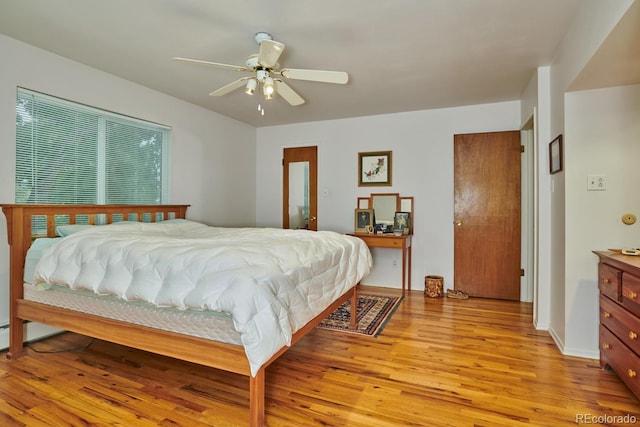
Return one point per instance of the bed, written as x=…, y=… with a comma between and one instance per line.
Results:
x=245, y=351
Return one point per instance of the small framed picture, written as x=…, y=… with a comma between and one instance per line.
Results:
x=364, y=220
x=555, y=155
x=402, y=222
x=374, y=168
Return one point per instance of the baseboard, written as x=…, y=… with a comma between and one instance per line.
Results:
x=574, y=352
x=557, y=340
x=33, y=332
x=541, y=326
x=585, y=354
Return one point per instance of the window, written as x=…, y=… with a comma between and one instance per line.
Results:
x=71, y=153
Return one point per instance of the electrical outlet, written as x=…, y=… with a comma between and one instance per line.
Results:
x=596, y=183
x=394, y=263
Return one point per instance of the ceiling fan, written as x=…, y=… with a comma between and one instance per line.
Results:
x=266, y=74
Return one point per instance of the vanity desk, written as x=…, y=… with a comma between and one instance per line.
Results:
x=391, y=241
x=390, y=211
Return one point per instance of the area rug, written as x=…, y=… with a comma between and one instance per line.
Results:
x=374, y=311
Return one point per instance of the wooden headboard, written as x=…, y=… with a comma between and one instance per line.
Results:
x=20, y=233
x=24, y=213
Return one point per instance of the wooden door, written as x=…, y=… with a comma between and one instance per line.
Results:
x=300, y=188
x=487, y=214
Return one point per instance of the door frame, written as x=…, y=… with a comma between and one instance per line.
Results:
x=529, y=218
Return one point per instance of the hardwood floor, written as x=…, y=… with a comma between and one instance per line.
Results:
x=438, y=362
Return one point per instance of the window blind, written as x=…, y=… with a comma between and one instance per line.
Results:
x=71, y=153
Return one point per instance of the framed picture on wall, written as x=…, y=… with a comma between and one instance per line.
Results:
x=364, y=220
x=374, y=168
x=555, y=155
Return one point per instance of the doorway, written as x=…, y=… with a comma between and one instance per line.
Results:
x=300, y=188
x=487, y=214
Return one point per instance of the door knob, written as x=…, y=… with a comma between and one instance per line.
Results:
x=458, y=223
x=313, y=218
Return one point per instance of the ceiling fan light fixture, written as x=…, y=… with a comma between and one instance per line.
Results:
x=251, y=86
x=268, y=87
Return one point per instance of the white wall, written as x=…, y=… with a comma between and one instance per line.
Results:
x=220, y=191
x=603, y=138
x=571, y=308
x=422, y=145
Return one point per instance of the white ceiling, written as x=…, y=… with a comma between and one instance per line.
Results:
x=401, y=55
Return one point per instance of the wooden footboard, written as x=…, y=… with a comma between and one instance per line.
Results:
x=197, y=350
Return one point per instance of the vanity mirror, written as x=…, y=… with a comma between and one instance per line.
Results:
x=385, y=206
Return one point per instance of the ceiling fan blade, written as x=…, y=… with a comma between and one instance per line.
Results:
x=213, y=64
x=287, y=93
x=339, y=77
x=270, y=52
x=230, y=87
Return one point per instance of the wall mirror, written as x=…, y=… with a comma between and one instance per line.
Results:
x=385, y=206
x=299, y=195
x=300, y=188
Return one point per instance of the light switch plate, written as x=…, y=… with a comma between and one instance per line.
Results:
x=596, y=183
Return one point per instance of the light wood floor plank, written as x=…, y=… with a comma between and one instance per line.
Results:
x=438, y=362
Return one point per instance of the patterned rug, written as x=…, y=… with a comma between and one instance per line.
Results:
x=374, y=311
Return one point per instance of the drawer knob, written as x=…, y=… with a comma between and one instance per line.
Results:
x=606, y=346
x=605, y=280
x=631, y=373
x=633, y=335
x=606, y=314
x=632, y=295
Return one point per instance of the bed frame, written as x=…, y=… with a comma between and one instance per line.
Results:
x=210, y=353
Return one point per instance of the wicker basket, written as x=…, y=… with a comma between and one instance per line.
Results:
x=433, y=286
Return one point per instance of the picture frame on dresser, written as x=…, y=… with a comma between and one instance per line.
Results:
x=401, y=222
x=364, y=220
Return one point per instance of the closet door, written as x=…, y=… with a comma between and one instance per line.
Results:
x=487, y=214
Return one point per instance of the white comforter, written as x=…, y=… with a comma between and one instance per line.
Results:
x=272, y=281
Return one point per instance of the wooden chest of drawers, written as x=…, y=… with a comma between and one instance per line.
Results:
x=619, y=284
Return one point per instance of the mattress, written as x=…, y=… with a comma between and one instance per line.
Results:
x=213, y=325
